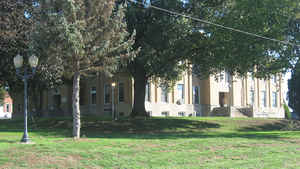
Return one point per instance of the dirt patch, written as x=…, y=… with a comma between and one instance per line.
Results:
x=37, y=160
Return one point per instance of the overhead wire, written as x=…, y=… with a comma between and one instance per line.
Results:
x=210, y=23
x=214, y=24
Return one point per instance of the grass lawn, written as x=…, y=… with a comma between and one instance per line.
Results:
x=153, y=143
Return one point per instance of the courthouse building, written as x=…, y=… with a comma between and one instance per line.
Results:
x=214, y=96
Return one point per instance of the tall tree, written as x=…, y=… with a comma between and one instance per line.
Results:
x=160, y=36
x=240, y=52
x=294, y=82
x=19, y=22
x=92, y=36
x=167, y=39
x=294, y=89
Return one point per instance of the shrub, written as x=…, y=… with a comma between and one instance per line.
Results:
x=287, y=112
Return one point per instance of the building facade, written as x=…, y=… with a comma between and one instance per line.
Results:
x=215, y=96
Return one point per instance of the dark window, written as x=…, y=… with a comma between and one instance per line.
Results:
x=274, y=79
x=274, y=99
x=180, y=90
x=93, y=95
x=107, y=94
x=182, y=114
x=165, y=113
x=7, y=108
x=81, y=95
x=252, y=97
x=196, y=95
x=121, y=92
x=263, y=98
x=164, y=94
x=148, y=92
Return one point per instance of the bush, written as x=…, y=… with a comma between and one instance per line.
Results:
x=288, y=114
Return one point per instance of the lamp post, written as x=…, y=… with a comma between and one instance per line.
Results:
x=18, y=62
x=113, y=85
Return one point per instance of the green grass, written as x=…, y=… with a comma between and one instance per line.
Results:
x=153, y=143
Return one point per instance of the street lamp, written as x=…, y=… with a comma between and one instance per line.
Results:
x=18, y=62
x=113, y=85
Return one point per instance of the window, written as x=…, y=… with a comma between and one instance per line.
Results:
x=7, y=108
x=182, y=114
x=196, y=95
x=82, y=95
x=180, y=90
x=148, y=92
x=263, y=98
x=252, y=80
x=274, y=79
x=107, y=94
x=121, y=92
x=19, y=107
x=165, y=113
x=227, y=77
x=93, y=95
x=274, y=99
x=222, y=76
x=164, y=94
x=252, y=97
x=264, y=84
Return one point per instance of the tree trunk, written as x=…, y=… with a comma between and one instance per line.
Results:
x=140, y=81
x=75, y=104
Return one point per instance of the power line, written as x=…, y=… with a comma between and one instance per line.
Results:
x=215, y=24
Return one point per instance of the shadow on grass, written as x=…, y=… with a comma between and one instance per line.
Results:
x=185, y=135
x=153, y=128
x=281, y=125
x=9, y=141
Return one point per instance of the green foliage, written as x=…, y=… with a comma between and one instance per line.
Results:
x=2, y=95
x=240, y=53
x=21, y=35
x=14, y=28
x=92, y=35
x=158, y=35
x=167, y=40
x=294, y=89
x=287, y=112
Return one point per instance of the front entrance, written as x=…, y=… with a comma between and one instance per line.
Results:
x=223, y=99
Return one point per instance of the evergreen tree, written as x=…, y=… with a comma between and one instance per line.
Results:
x=91, y=36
